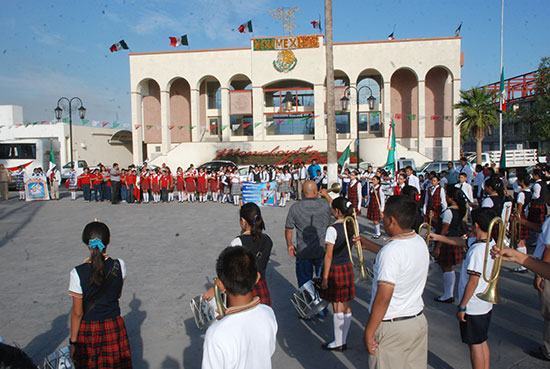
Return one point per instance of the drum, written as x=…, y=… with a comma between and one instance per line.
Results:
x=307, y=301
x=61, y=359
x=205, y=311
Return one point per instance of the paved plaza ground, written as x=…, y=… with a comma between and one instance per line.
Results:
x=170, y=251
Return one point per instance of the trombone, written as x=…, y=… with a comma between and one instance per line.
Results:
x=363, y=276
x=428, y=227
x=491, y=293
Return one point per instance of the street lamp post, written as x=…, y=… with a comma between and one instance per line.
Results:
x=345, y=105
x=59, y=113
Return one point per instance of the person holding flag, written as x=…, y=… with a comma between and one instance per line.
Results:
x=54, y=177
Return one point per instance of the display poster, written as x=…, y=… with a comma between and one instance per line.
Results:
x=262, y=194
x=36, y=188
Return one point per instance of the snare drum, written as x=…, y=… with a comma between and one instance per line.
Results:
x=307, y=301
x=61, y=359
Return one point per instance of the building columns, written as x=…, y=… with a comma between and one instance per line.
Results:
x=422, y=117
x=165, y=122
x=224, y=122
x=259, y=132
x=195, y=109
x=387, y=113
x=456, y=112
x=137, y=133
x=320, y=130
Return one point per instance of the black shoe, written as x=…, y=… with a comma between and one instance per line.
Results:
x=538, y=354
x=342, y=348
x=450, y=300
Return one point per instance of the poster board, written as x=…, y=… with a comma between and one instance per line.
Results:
x=262, y=194
x=36, y=188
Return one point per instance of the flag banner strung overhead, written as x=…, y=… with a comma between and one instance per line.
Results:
x=121, y=45
x=245, y=27
x=257, y=124
x=179, y=41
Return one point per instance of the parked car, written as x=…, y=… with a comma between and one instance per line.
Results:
x=364, y=165
x=437, y=166
x=405, y=162
x=215, y=165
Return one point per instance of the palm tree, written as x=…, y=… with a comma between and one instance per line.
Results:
x=478, y=114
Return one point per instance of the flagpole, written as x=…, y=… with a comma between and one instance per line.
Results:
x=501, y=72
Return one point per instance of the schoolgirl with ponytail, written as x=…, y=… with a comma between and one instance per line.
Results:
x=98, y=334
x=494, y=188
x=338, y=285
x=253, y=238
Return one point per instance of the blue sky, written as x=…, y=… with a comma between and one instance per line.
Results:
x=50, y=49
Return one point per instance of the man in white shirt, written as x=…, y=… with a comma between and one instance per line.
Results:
x=464, y=167
x=245, y=336
x=396, y=334
x=412, y=179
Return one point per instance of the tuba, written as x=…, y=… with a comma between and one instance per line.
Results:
x=491, y=293
x=363, y=276
x=206, y=311
x=428, y=227
x=335, y=188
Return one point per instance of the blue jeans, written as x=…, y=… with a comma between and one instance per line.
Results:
x=87, y=192
x=305, y=269
x=123, y=192
x=98, y=193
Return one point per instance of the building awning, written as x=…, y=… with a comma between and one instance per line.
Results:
x=121, y=137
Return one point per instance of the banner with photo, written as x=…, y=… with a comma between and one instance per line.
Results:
x=36, y=188
x=262, y=194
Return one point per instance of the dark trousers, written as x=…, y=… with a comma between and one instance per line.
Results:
x=87, y=192
x=164, y=194
x=130, y=198
x=115, y=195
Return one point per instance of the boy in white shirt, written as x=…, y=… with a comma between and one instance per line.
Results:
x=474, y=314
x=244, y=338
x=396, y=334
x=465, y=187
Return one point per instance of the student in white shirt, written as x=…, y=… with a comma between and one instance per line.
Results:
x=412, y=180
x=245, y=336
x=396, y=334
x=465, y=187
x=474, y=314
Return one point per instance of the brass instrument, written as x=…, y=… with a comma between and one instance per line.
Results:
x=491, y=293
x=206, y=312
x=220, y=301
x=515, y=227
x=360, y=260
x=428, y=227
x=335, y=188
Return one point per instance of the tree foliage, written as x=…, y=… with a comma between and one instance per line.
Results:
x=540, y=111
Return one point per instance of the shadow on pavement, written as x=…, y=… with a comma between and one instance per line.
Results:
x=436, y=362
x=29, y=209
x=133, y=321
x=192, y=354
x=48, y=342
x=170, y=363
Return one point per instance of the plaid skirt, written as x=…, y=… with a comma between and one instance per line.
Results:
x=155, y=187
x=235, y=189
x=103, y=344
x=341, y=284
x=523, y=230
x=201, y=187
x=214, y=186
x=190, y=186
x=373, y=210
x=537, y=213
x=261, y=290
x=180, y=186
x=450, y=255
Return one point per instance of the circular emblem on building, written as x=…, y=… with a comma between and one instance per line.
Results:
x=286, y=61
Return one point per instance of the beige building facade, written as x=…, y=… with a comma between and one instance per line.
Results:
x=189, y=105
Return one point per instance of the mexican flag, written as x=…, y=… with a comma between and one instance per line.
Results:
x=178, y=41
x=119, y=46
x=502, y=92
x=390, y=163
x=246, y=27
x=52, y=158
x=344, y=158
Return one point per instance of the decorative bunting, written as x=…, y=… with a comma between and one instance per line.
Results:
x=375, y=113
x=104, y=124
x=44, y=121
x=269, y=123
x=224, y=127
x=180, y=127
x=234, y=127
x=338, y=112
x=65, y=120
x=34, y=123
x=191, y=128
x=138, y=126
x=1, y=126
x=257, y=124
x=279, y=121
x=170, y=127
x=85, y=121
x=411, y=117
x=149, y=127
x=398, y=116
x=246, y=125
x=158, y=128
x=115, y=125
x=434, y=117
x=447, y=117
x=291, y=121
x=27, y=124
x=303, y=119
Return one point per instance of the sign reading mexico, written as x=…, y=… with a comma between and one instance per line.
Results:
x=36, y=188
x=286, y=60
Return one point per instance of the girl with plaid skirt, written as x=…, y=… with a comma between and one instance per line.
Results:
x=537, y=207
x=202, y=185
x=180, y=184
x=190, y=186
x=376, y=205
x=523, y=199
x=338, y=285
x=452, y=225
x=98, y=334
x=253, y=238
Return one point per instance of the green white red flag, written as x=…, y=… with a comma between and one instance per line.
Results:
x=179, y=41
x=245, y=27
x=121, y=45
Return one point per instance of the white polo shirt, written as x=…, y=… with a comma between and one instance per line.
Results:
x=543, y=239
x=242, y=339
x=404, y=263
x=474, y=263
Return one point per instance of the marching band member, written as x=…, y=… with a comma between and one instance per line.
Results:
x=523, y=200
x=226, y=186
x=537, y=207
x=412, y=179
x=338, y=285
x=396, y=334
x=435, y=201
x=375, y=210
x=355, y=191
x=246, y=336
x=447, y=255
x=401, y=182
